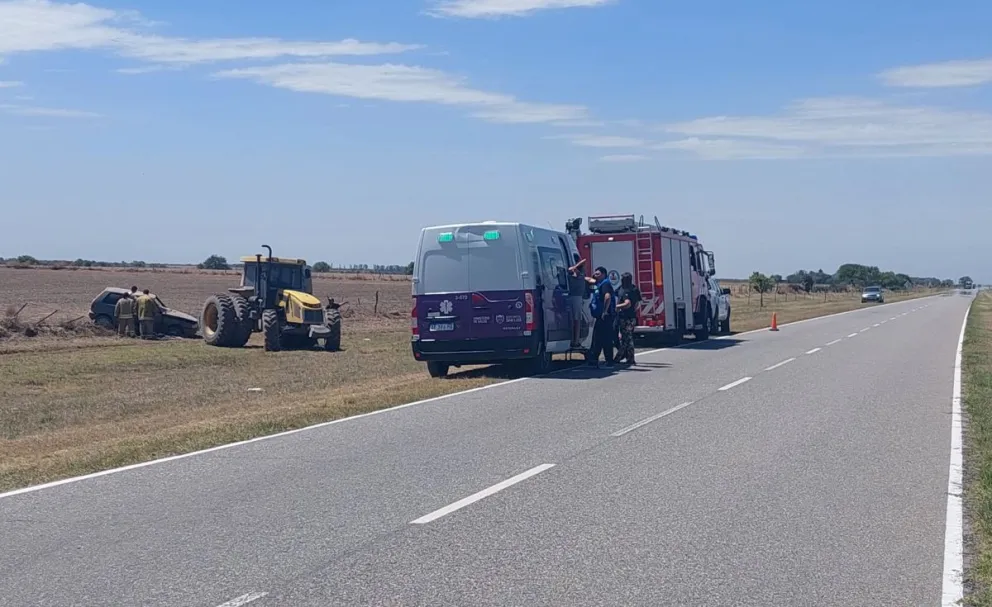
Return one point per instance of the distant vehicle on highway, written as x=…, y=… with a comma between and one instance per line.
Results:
x=872, y=294
x=171, y=322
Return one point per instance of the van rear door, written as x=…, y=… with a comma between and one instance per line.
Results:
x=470, y=284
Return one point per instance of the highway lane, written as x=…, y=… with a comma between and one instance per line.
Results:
x=303, y=517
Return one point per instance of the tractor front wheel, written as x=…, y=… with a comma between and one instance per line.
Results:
x=332, y=343
x=271, y=330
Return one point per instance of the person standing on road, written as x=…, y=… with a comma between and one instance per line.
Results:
x=604, y=309
x=146, y=314
x=628, y=296
x=124, y=314
x=577, y=294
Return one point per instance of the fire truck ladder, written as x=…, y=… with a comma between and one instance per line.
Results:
x=645, y=264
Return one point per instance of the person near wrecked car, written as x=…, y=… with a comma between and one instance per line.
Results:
x=628, y=296
x=124, y=315
x=147, y=309
x=604, y=310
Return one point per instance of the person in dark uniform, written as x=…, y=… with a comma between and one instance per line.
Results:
x=604, y=311
x=628, y=296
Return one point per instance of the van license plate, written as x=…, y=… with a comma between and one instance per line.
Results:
x=444, y=326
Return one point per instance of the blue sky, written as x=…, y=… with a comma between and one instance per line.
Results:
x=785, y=135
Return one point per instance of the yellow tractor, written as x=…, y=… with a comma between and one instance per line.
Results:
x=275, y=298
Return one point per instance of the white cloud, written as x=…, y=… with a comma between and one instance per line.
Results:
x=404, y=83
x=43, y=25
x=601, y=141
x=475, y=9
x=10, y=84
x=727, y=149
x=623, y=158
x=838, y=126
x=22, y=110
x=946, y=74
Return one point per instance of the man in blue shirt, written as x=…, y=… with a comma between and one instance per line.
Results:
x=604, y=311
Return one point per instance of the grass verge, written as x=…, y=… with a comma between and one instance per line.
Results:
x=107, y=402
x=976, y=376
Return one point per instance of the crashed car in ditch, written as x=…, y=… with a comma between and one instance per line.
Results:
x=170, y=322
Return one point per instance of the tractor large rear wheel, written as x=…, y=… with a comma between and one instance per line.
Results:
x=271, y=330
x=243, y=313
x=219, y=322
x=332, y=343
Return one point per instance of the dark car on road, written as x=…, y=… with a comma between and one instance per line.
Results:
x=170, y=322
x=872, y=294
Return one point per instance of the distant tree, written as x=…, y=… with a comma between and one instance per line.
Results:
x=777, y=278
x=408, y=270
x=214, y=262
x=762, y=284
x=322, y=266
x=27, y=259
x=138, y=264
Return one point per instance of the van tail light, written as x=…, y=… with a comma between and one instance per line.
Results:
x=528, y=313
x=478, y=300
x=414, y=324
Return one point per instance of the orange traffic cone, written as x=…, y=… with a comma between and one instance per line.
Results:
x=774, y=321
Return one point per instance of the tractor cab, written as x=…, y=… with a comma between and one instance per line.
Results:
x=279, y=274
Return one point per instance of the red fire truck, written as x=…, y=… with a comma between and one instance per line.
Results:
x=670, y=267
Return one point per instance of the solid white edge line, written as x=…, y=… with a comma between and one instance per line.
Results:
x=777, y=365
x=648, y=420
x=433, y=516
x=735, y=384
x=171, y=458
x=952, y=590
x=836, y=341
x=244, y=599
x=814, y=350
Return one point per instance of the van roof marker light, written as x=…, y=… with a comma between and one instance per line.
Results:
x=491, y=235
x=445, y=237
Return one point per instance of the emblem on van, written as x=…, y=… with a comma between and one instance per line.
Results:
x=446, y=306
x=518, y=305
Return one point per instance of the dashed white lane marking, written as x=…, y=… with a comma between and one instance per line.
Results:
x=777, y=365
x=814, y=351
x=853, y=335
x=865, y=329
x=877, y=324
x=244, y=599
x=735, y=383
x=836, y=341
x=647, y=421
x=433, y=516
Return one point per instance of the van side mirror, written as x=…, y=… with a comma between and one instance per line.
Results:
x=725, y=291
x=712, y=271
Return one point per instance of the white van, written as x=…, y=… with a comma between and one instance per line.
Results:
x=492, y=292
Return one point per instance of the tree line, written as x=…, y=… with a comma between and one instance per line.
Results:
x=852, y=275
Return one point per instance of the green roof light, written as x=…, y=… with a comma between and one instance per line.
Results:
x=445, y=237
x=491, y=235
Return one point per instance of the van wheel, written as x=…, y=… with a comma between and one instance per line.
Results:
x=437, y=369
x=542, y=363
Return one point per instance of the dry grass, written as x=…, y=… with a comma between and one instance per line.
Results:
x=100, y=402
x=977, y=393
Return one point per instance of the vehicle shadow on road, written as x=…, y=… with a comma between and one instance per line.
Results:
x=712, y=344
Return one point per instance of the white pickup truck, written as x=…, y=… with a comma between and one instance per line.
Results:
x=721, y=320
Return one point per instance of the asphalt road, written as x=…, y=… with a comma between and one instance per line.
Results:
x=821, y=480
